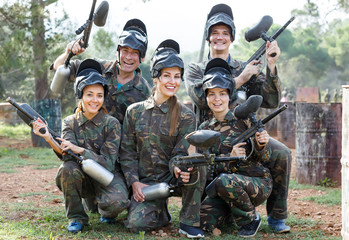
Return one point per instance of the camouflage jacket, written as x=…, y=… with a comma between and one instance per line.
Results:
x=230, y=128
x=117, y=100
x=147, y=151
x=100, y=137
x=267, y=86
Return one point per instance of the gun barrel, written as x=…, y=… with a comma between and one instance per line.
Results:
x=275, y=113
x=227, y=159
x=278, y=32
x=16, y=105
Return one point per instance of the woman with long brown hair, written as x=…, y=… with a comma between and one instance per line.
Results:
x=153, y=136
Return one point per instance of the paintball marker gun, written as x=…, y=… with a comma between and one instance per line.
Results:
x=90, y=167
x=99, y=18
x=202, y=139
x=259, y=31
x=257, y=125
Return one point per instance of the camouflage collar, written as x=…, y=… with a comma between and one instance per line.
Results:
x=228, y=117
x=134, y=83
x=97, y=120
x=150, y=103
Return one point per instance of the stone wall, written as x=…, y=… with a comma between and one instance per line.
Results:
x=8, y=114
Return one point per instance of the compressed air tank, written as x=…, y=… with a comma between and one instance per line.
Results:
x=97, y=172
x=156, y=191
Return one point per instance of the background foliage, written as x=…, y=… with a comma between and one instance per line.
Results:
x=314, y=52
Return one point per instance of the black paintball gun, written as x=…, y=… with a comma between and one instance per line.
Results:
x=98, y=18
x=202, y=139
x=89, y=166
x=248, y=111
x=259, y=31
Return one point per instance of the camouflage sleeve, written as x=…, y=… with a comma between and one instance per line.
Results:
x=128, y=150
x=193, y=77
x=186, y=126
x=269, y=87
x=109, y=151
x=263, y=154
x=68, y=133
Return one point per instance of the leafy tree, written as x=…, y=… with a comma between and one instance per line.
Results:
x=27, y=46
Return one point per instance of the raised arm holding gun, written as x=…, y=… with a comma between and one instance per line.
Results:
x=124, y=78
x=98, y=18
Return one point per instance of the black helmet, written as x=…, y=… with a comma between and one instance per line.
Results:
x=166, y=55
x=220, y=13
x=218, y=75
x=134, y=35
x=89, y=73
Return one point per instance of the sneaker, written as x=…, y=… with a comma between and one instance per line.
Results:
x=191, y=232
x=75, y=227
x=278, y=225
x=250, y=230
x=107, y=220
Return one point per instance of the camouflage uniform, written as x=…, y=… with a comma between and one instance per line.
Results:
x=118, y=100
x=100, y=137
x=147, y=154
x=238, y=191
x=268, y=86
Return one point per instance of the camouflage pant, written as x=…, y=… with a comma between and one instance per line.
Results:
x=279, y=164
x=76, y=185
x=149, y=215
x=237, y=197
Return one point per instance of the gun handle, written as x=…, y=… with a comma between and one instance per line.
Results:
x=194, y=177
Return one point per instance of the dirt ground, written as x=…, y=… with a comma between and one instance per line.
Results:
x=30, y=180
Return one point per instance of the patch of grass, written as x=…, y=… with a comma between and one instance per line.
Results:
x=27, y=220
x=18, y=131
x=41, y=158
x=295, y=185
x=333, y=197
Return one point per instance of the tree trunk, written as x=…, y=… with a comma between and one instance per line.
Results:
x=39, y=49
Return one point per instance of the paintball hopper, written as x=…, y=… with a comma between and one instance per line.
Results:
x=259, y=31
x=203, y=138
x=252, y=104
x=100, y=17
x=157, y=191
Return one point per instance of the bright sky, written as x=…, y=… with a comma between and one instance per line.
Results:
x=181, y=20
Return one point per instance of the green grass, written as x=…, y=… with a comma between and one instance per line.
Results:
x=30, y=221
x=19, y=131
x=332, y=196
x=39, y=158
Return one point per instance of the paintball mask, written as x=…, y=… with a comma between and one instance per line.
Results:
x=218, y=75
x=166, y=55
x=220, y=14
x=89, y=73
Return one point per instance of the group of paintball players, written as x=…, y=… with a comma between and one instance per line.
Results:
x=137, y=133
